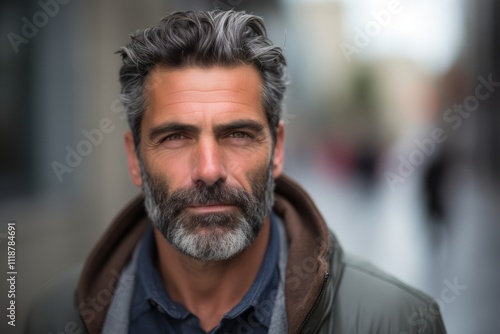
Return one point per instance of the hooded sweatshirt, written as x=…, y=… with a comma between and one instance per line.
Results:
x=325, y=291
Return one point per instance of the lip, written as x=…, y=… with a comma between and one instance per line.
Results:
x=210, y=208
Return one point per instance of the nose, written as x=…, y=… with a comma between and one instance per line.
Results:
x=209, y=167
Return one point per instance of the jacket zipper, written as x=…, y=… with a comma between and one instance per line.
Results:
x=325, y=281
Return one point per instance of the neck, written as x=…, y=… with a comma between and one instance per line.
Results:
x=210, y=289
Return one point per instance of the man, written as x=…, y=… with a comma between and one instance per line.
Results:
x=221, y=241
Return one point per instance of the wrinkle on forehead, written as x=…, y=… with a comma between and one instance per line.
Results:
x=197, y=86
x=160, y=74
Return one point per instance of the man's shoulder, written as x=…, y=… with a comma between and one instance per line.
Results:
x=373, y=281
x=55, y=310
x=371, y=300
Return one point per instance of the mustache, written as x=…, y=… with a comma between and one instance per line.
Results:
x=201, y=195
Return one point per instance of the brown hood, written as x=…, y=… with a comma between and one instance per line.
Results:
x=307, y=265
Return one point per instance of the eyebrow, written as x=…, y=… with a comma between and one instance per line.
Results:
x=239, y=124
x=171, y=127
x=218, y=129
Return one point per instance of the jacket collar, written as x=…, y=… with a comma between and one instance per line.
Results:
x=314, y=257
x=311, y=249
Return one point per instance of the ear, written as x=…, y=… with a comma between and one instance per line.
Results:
x=279, y=151
x=133, y=161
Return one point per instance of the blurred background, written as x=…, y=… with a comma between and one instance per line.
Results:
x=391, y=126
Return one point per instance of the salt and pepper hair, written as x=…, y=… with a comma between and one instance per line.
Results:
x=202, y=39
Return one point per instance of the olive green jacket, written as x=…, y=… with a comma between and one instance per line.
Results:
x=326, y=291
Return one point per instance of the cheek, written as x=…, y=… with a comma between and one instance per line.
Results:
x=173, y=170
x=248, y=171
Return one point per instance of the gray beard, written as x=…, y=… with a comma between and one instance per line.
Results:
x=209, y=236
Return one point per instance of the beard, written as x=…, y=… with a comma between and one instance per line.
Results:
x=212, y=236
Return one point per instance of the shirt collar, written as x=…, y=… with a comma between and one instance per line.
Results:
x=262, y=294
x=150, y=292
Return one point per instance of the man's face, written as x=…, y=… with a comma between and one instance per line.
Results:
x=207, y=163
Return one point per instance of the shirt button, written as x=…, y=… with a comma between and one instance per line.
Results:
x=152, y=302
x=160, y=309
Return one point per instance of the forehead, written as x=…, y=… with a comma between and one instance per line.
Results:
x=209, y=91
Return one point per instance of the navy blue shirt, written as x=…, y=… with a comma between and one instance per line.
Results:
x=153, y=311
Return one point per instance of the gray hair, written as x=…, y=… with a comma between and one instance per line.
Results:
x=202, y=39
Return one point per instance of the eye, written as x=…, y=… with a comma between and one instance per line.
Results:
x=175, y=140
x=240, y=138
x=175, y=136
x=240, y=135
